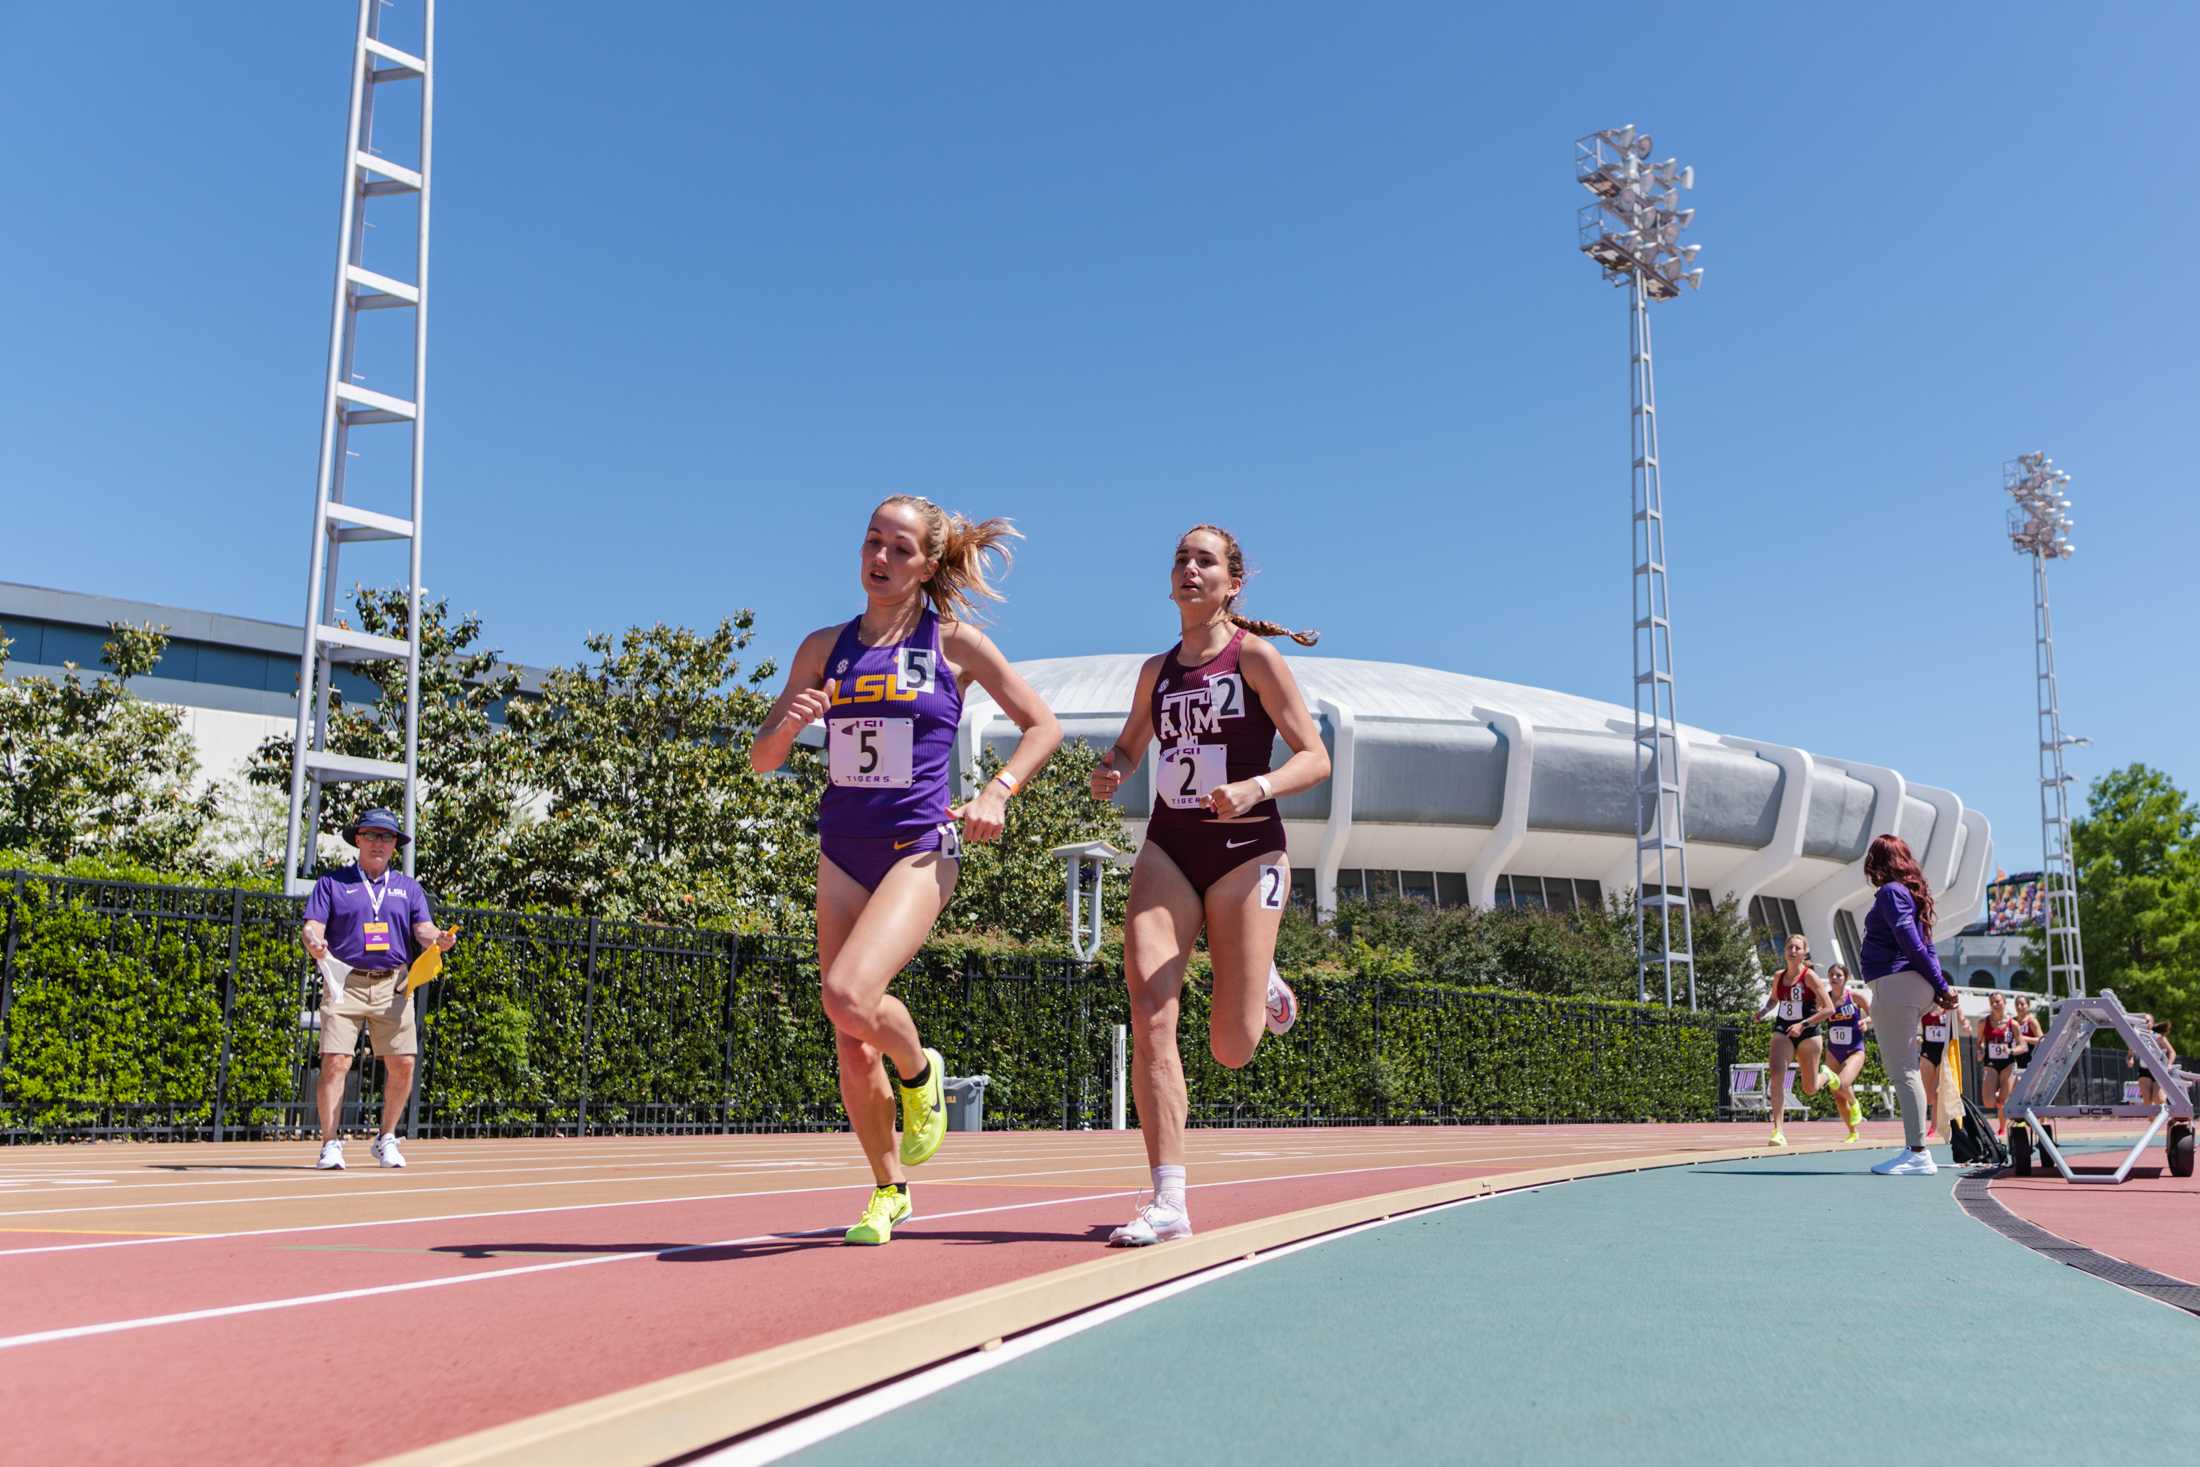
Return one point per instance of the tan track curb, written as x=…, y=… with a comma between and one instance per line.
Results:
x=683, y=1413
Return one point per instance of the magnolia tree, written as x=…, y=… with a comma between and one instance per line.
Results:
x=89, y=769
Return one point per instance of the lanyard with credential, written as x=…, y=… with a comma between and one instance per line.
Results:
x=375, y=898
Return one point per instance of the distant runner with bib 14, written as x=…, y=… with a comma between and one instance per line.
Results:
x=889, y=686
x=1214, y=856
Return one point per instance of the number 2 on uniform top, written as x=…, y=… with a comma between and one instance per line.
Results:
x=1273, y=884
x=869, y=753
x=1190, y=773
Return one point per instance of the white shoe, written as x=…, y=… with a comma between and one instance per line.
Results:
x=332, y=1157
x=1155, y=1223
x=386, y=1152
x=1907, y=1164
x=1283, y=1004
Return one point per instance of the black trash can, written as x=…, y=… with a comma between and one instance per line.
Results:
x=966, y=1102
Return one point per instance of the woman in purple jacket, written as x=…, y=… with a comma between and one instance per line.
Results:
x=1899, y=963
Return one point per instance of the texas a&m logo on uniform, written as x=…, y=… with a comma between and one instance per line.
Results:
x=1201, y=710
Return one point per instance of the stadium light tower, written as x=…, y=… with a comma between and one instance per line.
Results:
x=2039, y=526
x=1633, y=233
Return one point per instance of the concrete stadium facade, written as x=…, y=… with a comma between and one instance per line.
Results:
x=1460, y=788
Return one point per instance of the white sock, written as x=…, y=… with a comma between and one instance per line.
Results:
x=1168, y=1186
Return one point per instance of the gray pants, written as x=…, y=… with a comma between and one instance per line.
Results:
x=1899, y=1002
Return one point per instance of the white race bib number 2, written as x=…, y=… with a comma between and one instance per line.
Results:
x=1275, y=885
x=1191, y=772
x=870, y=753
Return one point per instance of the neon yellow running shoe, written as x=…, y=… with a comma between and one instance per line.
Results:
x=889, y=1205
x=1852, y=1138
x=1856, y=1113
x=1779, y=1138
x=924, y=1112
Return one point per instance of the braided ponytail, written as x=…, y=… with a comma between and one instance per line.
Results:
x=1234, y=557
x=961, y=549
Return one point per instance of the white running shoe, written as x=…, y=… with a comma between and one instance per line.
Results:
x=386, y=1152
x=1283, y=1004
x=332, y=1157
x=1156, y=1223
x=1907, y=1164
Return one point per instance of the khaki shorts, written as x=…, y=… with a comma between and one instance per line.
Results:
x=382, y=1004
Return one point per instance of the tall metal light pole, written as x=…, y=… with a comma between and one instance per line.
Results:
x=1633, y=233
x=2039, y=526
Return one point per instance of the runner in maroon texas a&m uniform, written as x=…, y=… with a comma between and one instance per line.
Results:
x=1214, y=856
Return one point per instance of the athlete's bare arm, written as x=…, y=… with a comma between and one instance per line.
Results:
x=1270, y=677
x=973, y=657
x=801, y=703
x=1820, y=995
x=1130, y=745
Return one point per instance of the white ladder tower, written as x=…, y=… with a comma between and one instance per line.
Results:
x=346, y=405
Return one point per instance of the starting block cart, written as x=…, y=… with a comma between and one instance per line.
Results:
x=2076, y=1022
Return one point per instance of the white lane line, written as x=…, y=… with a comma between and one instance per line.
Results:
x=1552, y=1157
x=687, y=1176
x=773, y=1443
x=225, y=1311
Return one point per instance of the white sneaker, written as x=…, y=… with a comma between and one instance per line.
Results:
x=1156, y=1223
x=1283, y=1004
x=332, y=1157
x=1907, y=1164
x=386, y=1152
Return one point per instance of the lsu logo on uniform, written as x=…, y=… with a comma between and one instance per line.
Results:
x=1201, y=710
x=916, y=671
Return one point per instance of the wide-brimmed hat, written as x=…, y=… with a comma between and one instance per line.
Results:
x=377, y=820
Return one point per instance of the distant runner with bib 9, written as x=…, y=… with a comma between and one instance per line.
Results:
x=1214, y=856
x=889, y=686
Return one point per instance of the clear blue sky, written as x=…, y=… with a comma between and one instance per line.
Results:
x=709, y=279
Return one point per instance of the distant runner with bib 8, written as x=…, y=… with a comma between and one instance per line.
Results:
x=1214, y=856
x=889, y=686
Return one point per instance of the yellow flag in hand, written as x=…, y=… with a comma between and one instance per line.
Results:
x=426, y=966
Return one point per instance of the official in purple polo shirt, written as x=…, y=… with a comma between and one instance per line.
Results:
x=364, y=926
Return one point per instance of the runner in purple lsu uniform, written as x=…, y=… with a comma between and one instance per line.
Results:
x=1214, y=856
x=889, y=688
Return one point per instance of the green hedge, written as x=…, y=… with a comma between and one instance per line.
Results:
x=115, y=1024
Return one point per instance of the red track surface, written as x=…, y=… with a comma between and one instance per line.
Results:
x=2151, y=1218
x=371, y=1312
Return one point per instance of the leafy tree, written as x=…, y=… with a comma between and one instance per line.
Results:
x=639, y=760
x=1012, y=887
x=1586, y=953
x=2138, y=857
x=471, y=787
x=88, y=768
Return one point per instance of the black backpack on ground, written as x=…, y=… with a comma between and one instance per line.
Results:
x=1971, y=1139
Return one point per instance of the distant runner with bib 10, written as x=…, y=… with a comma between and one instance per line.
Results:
x=889, y=686
x=1214, y=856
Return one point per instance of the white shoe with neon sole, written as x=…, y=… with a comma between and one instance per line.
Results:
x=1283, y=1004
x=1156, y=1223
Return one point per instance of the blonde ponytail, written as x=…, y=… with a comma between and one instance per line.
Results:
x=1234, y=558
x=961, y=550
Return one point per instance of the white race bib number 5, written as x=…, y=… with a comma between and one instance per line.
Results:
x=869, y=753
x=1191, y=772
